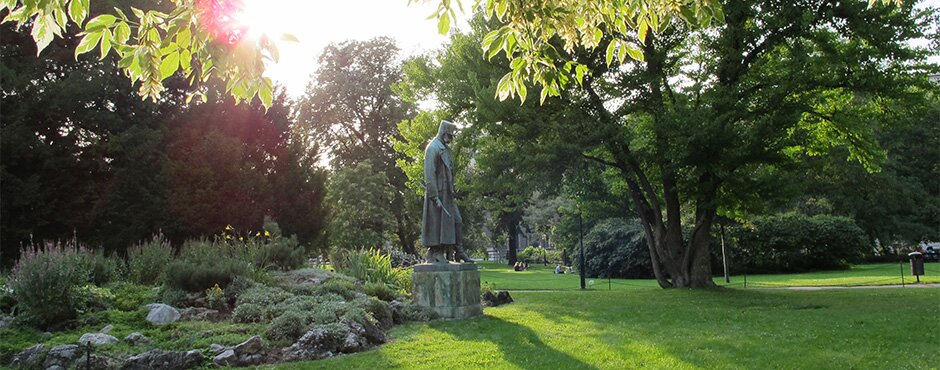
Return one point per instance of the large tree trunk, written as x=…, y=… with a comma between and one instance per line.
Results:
x=513, y=229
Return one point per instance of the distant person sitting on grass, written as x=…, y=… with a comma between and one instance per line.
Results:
x=517, y=266
x=558, y=269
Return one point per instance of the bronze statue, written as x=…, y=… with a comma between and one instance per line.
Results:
x=441, y=223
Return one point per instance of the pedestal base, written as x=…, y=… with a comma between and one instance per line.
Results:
x=450, y=289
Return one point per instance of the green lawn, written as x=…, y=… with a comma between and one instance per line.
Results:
x=642, y=327
x=541, y=277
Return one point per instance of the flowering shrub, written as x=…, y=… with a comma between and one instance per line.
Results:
x=147, y=262
x=45, y=283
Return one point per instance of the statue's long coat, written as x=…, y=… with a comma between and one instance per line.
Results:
x=439, y=227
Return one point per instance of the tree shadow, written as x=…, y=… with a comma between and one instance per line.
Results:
x=517, y=344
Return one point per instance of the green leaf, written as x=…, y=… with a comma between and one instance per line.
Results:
x=139, y=13
x=122, y=32
x=267, y=96
x=598, y=34
x=642, y=29
x=105, y=43
x=170, y=64
x=87, y=44
x=184, y=38
x=186, y=59
x=78, y=10
x=634, y=52
x=610, y=51
x=503, y=88
x=521, y=89
x=60, y=19
x=43, y=31
x=443, y=24
x=580, y=70
x=99, y=22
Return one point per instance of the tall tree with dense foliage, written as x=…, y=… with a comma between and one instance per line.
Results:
x=701, y=121
x=350, y=111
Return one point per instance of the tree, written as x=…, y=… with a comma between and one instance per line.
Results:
x=359, y=216
x=350, y=109
x=773, y=81
x=76, y=147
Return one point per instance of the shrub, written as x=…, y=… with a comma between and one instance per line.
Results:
x=131, y=297
x=381, y=291
x=412, y=312
x=201, y=265
x=289, y=326
x=44, y=283
x=340, y=287
x=147, y=262
x=91, y=298
x=172, y=296
x=102, y=269
x=615, y=248
x=215, y=298
x=794, y=242
x=279, y=253
x=533, y=254
x=262, y=295
x=379, y=310
x=250, y=312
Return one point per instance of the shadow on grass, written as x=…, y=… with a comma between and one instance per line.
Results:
x=517, y=344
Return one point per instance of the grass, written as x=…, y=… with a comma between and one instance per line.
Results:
x=643, y=327
x=540, y=277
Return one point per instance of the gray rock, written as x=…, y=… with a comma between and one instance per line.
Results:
x=28, y=358
x=97, y=339
x=249, y=347
x=162, y=314
x=5, y=321
x=164, y=360
x=106, y=329
x=331, y=339
x=216, y=348
x=490, y=299
x=55, y=367
x=226, y=358
x=62, y=356
x=136, y=339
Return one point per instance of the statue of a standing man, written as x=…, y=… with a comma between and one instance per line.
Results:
x=441, y=226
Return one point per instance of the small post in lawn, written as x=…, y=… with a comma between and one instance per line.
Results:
x=901, y=265
x=581, y=253
x=724, y=257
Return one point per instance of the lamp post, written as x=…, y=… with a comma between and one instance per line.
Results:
x=581, y=253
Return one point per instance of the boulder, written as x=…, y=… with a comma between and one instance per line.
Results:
x=62, y=356
x=5, y=321
x=226, y=358
x=162, y=314
x=97, y=339
x=491, y=299
x=331, y=339
x=28, y=358
x=249, y=352
x=216, y=348
x=106, y=329
x=164, y=360
x=136, y=339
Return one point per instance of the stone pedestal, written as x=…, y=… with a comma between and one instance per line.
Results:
x=450, y=289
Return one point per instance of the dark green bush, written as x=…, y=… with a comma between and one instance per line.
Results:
x=45, y=284
x=381, y=291
x=380, y=311
x=131, y=297
x=250, y=312
x=533, y=254
x=794, y=242
x=102, y=269
x=280, y=253
x=202, y=265
x=288, y=327
x=341, y=287
x=412, y=312
x=147, y=262
x=172, y=296
x=615, y=248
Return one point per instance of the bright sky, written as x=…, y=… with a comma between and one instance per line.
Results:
x=319, y=23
